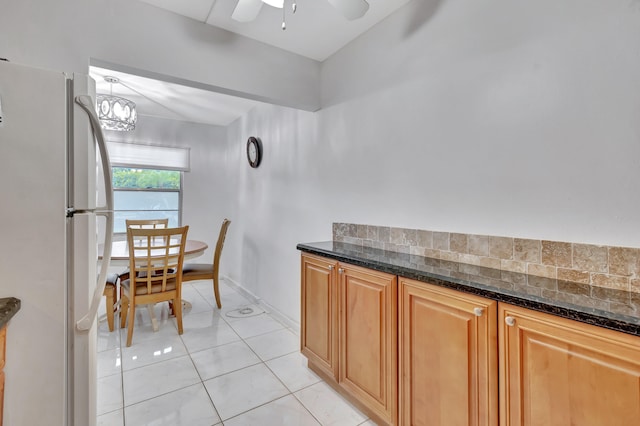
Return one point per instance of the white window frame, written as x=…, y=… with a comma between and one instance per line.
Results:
x=150, y=157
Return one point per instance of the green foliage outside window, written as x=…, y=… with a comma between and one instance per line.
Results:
x=145, y=178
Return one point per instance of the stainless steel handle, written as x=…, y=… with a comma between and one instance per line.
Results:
x=87, y=104
x=478, y=312
x=331, y=267
x=340, y=270
x=510, y=321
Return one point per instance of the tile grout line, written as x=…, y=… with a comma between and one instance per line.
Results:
x=190, y=354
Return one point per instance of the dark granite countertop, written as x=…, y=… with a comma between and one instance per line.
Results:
x=614, y=309
x=8, y=308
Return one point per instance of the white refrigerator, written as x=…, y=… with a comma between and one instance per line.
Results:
x=52, y=157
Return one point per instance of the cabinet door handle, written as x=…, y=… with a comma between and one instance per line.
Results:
x=331, y=267
x=511, y=321
x=478, y=312
x=340, y=270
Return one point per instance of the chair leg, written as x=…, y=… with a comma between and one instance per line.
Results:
x=110, y=294
x=132, y=315
x=216, y=291
x=124, y=307
x=177, y=309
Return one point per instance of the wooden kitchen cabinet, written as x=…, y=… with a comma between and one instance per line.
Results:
x=349, y=332
x=448, y=362
x=413, y=353
x=555, y=371
x=319, y=316
x=3, y=340
x=368, y=339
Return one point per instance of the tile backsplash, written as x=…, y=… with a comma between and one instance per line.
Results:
x=600, y=266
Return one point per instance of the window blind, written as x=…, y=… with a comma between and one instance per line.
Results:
x=148, y=156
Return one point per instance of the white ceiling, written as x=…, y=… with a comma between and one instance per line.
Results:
x=317, y=30
x=156, y=98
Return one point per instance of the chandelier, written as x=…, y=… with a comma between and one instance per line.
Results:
x=114, y=112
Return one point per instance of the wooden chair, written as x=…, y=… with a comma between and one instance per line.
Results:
x=147, y=223
x=111, y=287
x=143, y=224
x=112, y=299
x=156, y=259
x=208, y=271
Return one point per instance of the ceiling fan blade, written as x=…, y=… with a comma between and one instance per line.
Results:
x=351, y=9
x=246, y=10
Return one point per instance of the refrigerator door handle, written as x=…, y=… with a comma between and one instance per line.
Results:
x=87, y=104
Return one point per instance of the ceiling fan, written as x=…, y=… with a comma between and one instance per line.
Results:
x=247, y=10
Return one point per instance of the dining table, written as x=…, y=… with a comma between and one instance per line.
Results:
x=120, y=257
x=120, y=251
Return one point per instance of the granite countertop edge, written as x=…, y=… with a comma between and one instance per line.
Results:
x=9, y=306
x=602, y=318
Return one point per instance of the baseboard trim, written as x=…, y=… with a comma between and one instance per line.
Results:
x=288, y=322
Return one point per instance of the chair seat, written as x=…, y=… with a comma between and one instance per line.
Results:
x=195, y=271
x=112, y=279
x=155, y=288
x=124, y=275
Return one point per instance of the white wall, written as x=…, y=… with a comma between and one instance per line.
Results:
x=498, y=117
x=65, y=34
x=494, y=118
x=276, y=204
x=201, y=210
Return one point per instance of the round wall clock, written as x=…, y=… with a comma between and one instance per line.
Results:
x=254, y=151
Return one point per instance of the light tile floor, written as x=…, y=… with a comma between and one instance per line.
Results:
x=225, y=369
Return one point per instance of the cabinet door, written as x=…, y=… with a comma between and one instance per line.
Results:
x=448, y=357
x=368, y=339
x=319, y=329
x=555, y=371
x=3, y=337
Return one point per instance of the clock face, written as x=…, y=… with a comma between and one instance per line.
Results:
x=254, y=151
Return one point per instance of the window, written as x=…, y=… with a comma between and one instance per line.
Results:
x=146, y=194
x=147, y=182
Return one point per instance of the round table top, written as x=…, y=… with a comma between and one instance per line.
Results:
x=120, y=250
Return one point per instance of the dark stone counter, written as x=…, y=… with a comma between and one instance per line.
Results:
x=8, y=308
x=614, y=309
